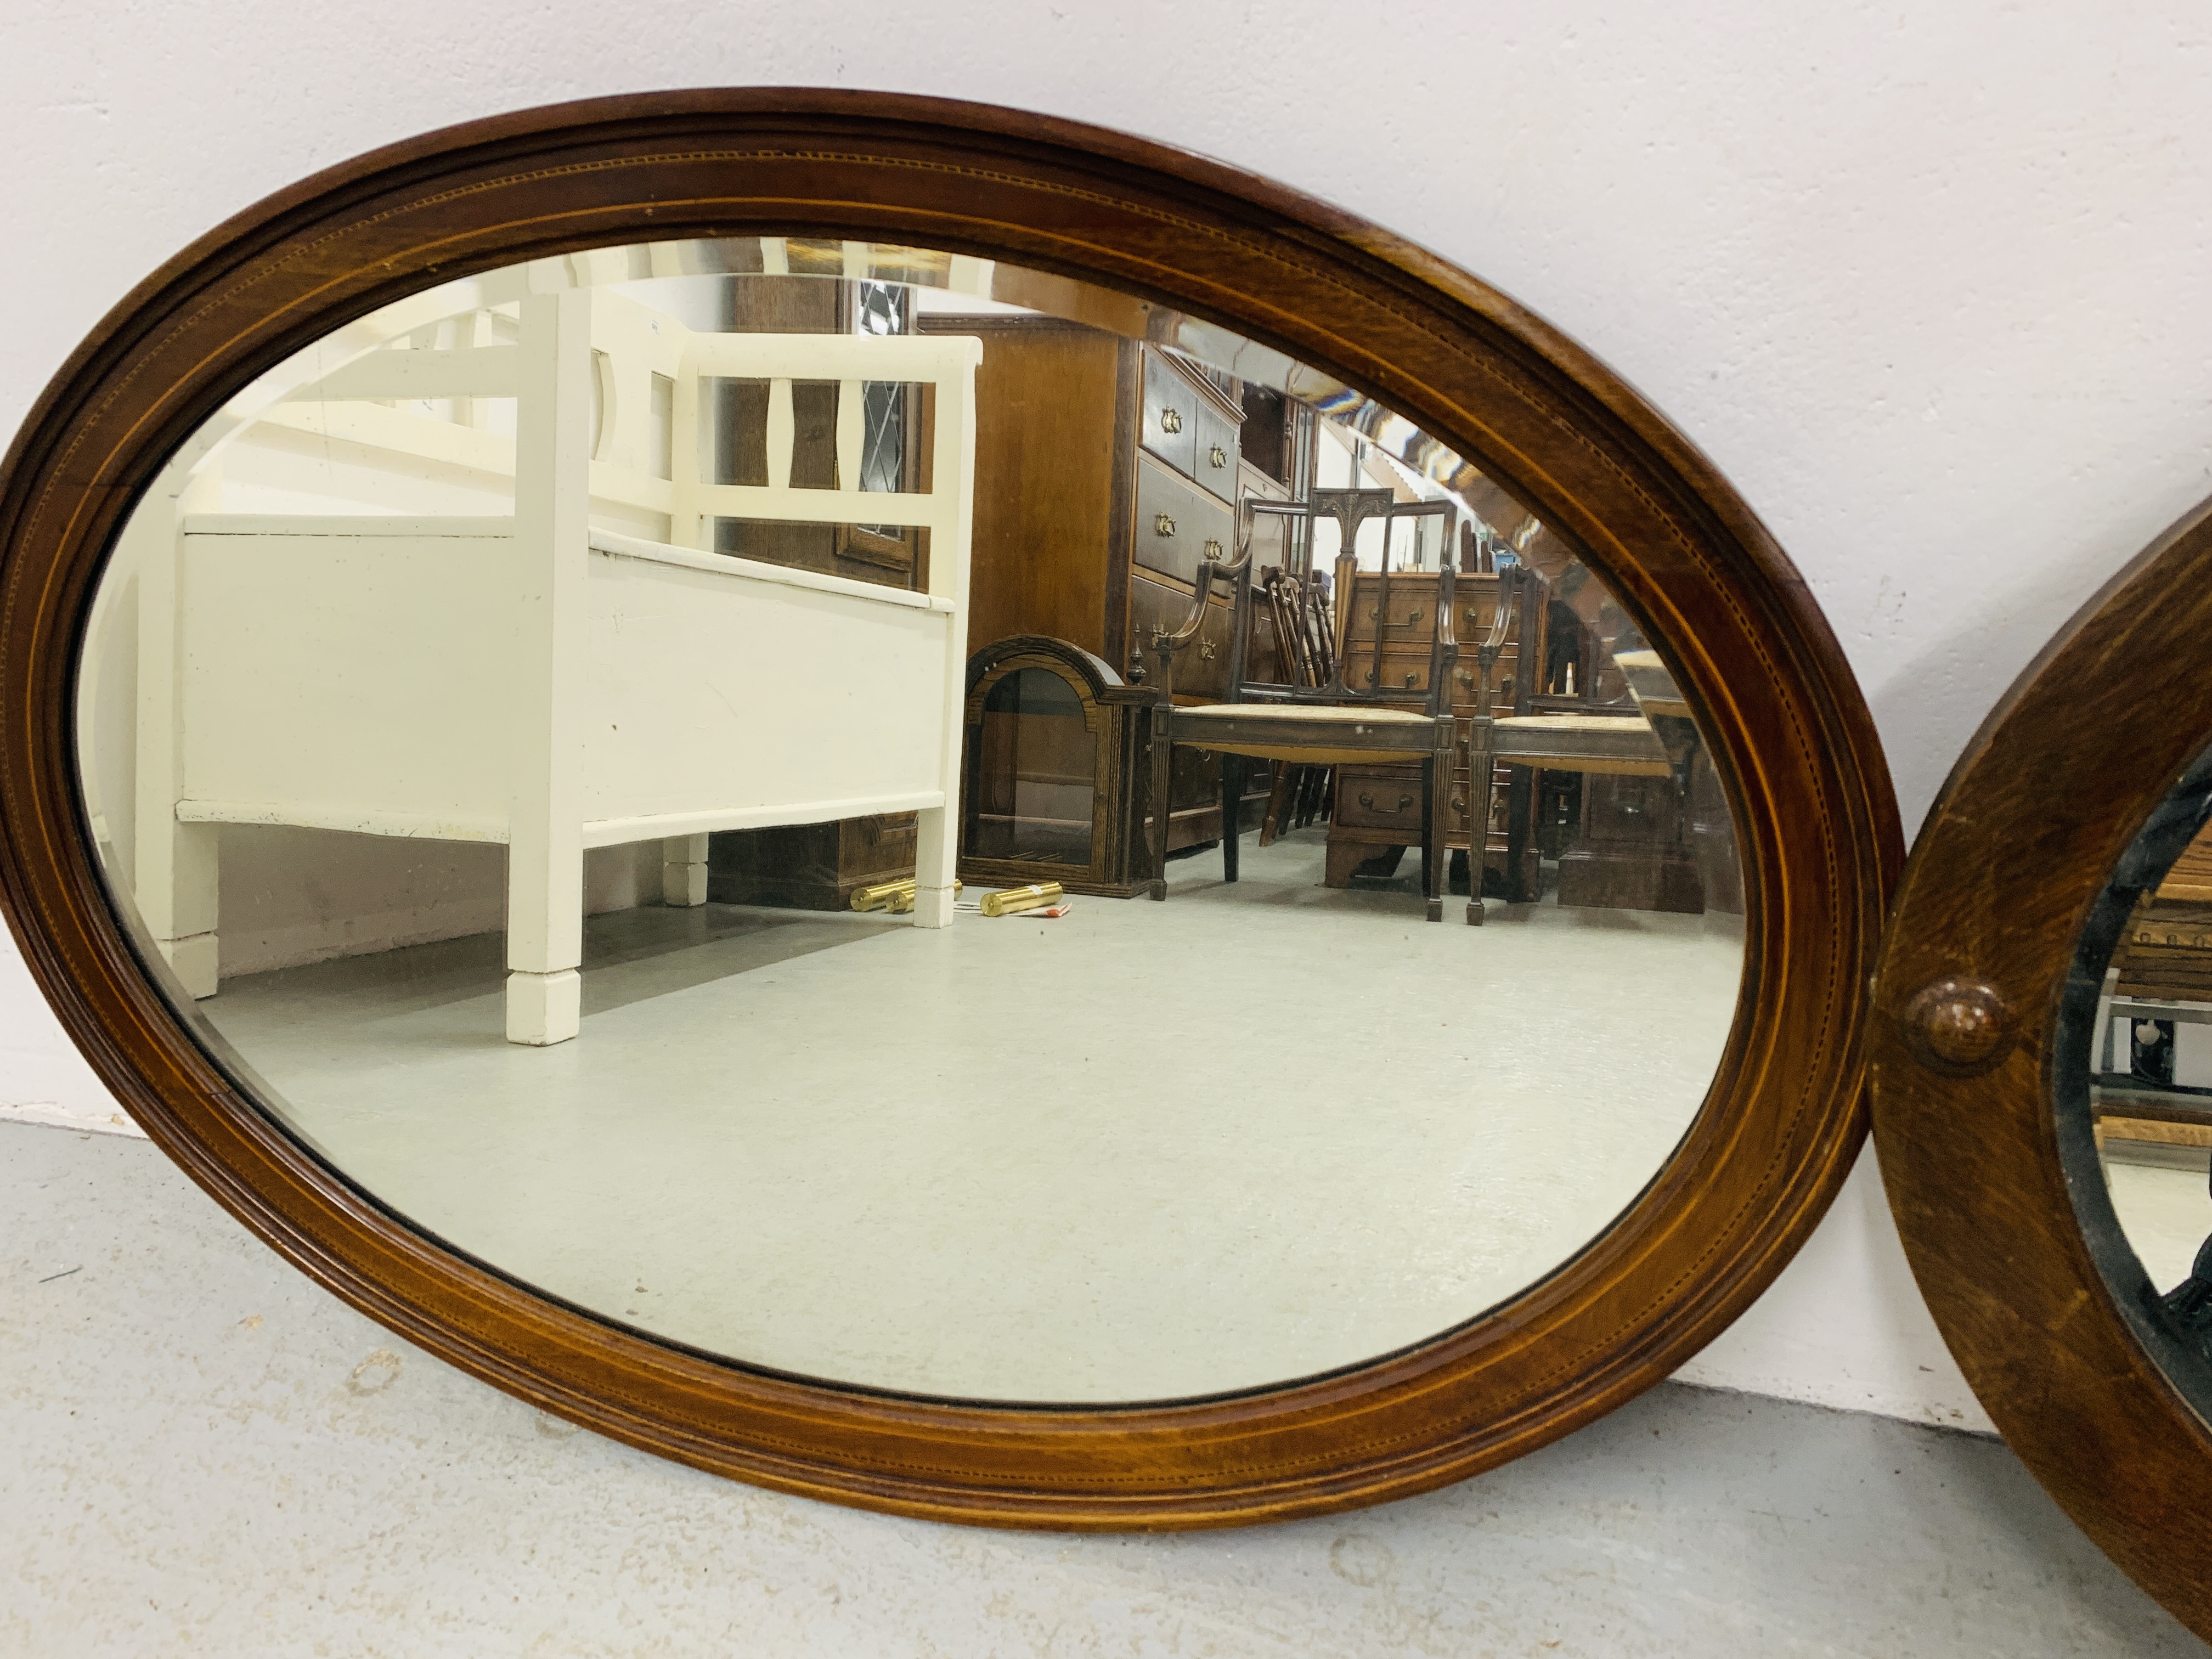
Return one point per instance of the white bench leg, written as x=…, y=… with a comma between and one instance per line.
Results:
x=544, y=935
x=552, y=505
x=180, y=903
x=683, y=870
x=543, y=1009
x=936, y=855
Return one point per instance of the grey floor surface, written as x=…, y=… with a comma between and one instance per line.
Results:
x=202, y=1453
x=1021, y=1159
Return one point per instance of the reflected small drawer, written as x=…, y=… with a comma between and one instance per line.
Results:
x=1213, y=456
x=1178, y=528
x=1400, y=670
x=1202, y=667
x=1386, y=802
x=1170, y=417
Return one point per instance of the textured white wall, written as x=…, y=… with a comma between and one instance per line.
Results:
x=1928, y=284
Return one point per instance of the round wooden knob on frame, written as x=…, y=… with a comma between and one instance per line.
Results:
x=1959, y=1027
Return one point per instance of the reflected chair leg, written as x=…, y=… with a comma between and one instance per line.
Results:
x=1162, y=749
x=1232, y=809
x=1279, y=795
x=1481, y=777
x=1434, y=772
x=1520, y=810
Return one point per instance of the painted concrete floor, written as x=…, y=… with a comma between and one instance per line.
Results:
x=200, y=1452
x=1141, y=1151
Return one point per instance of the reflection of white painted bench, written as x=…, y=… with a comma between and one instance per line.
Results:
x=530, y=680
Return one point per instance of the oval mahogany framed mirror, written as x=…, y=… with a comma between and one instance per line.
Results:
x=551, y=672
x=2041, y=1091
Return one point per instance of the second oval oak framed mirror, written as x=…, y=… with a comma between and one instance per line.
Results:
x=2043, y=1098
x=803, y=776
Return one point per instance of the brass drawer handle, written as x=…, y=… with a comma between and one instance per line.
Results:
x=1506, y=686
x=1163, y=525
x=1412, y=679
x=1170, y=421
x=1213, y=549
x=1467, y=678
x=1413, y=616
x=1459, y=803
x=2190, y=941
x=1368, y=801
x=1206, y=650
x=1218, y=456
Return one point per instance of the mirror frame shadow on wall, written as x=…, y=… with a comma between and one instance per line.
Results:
x=1756, y=663
x=1985, y=1013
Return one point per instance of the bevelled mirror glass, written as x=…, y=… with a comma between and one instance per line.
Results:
x=2136, y=1108
x=935, y=807
x=884, y=815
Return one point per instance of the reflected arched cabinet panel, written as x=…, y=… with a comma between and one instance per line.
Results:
x=1051, y=783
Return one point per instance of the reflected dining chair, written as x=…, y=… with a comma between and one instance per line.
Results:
x=1388, y=697
x=1604, y=740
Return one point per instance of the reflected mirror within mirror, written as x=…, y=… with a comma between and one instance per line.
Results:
x=595, y=746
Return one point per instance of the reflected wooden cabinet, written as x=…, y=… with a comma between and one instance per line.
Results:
x=1108, y=471
x=1634, y=850
x=809, y=866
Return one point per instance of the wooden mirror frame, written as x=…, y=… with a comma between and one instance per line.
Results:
x=1980, y=1075
x=1651, y=516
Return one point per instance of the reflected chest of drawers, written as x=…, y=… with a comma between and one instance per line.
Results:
x=1108, y=472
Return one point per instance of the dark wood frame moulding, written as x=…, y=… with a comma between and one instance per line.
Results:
x=1783, y=717
x=1977, y=1055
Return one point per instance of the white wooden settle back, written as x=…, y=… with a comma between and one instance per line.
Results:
x=557, y=678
